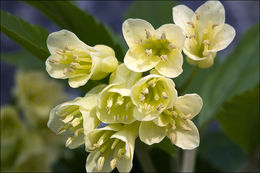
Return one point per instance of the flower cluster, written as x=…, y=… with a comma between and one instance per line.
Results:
x=133, y=104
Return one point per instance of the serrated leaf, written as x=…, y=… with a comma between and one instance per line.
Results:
x=155, y=12
x=31, y=37
x=239, y=118
x=68, y=16
x=239, y=72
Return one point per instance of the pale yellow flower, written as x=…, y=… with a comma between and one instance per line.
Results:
x=149, y=48
x=205, y=30
x=110, y=147
x=151, y=95
x=71, y=58
x=175, y=123
x=115, y=104
x=75, y=118
x=36, y=94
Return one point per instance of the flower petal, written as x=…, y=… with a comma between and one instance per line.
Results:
x=78, y=81
x=223, y=38
x=162, y=120
x=55, y=70
x=173, y=33
x=181, y=15
x=173, y=67
x=189, y=104
x=187, y=140
x=136, y=60
x=63, y=38
x=134, y=30
x=211, y=11
x=92, y=160
x=150, y=133
x=142, y=116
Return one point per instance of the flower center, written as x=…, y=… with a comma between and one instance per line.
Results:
x=153, y=95
x=199, y=45
x=119, y=106
x=77, y=61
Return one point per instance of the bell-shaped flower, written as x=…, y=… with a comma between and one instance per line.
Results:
x=175, y=123
x=115, y=104
x=110, y=147
x=71, y=58
x=151, y=95
x=205, y=30
x=75, y=118
x=149, y=48
x=36, y=94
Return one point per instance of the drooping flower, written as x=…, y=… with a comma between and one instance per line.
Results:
x=71, y=58
x=205, y=30
x=175, y=123
x=151, y=95
x=36, y=94
x=149, y=48
x=115, y=104
x=110, y=147
x=75, y=118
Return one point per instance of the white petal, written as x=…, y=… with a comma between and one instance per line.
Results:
x=162, y=121
x=140, y=116
x=223, y=38
x=173, y=33
x=192, y=56
x=187, y=140
x=55, y=70
x=78, y=81
x=124, y=164
x=136, y=60
x=90, y=120
x=181, y=15
x=173, y=67
x=150, y=133
x=63, y=38
x=91, y=163
x=189, y=104
x=134, y=30
x=211, y=11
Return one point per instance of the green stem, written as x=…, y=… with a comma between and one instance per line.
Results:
x=144, y=158
x=188, y=160
x=188, y=81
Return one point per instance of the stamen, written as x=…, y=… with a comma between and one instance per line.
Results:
x=69, y=141
x=109, y=103
x=53, y=61
x=164, y=58
x=206, y=42
x=74, y=64
x=76, y=121
x=191, y=36
x=142, y=98
x=171, y=46
x=75, y=56
x=187, y=116
x=100, y=163
x=113, y=163
x=148, y=34
x=149, y=52
x=68, y=119
x=159, y=107
x=197, y=15
x=140, y=41
x=145, y=91
x=66, y=70
x=120, y=100
x=185, y=127
x=121, y=152
x=152, y=83
x=114, y=143
x=173, y=126
x=59, y=52
x=214, y=25
x=192, y=24
x=164, y=95
x=172, y=137
x=68, y=47
x=163, y=36
x=175, y=114
x=127, y=106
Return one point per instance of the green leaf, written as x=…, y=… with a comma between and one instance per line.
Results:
x=239, y=118
x=70, y=17
x=155, y=12
x=221, y=152
x=31, y=37
x=21, y=58
x=238, y=73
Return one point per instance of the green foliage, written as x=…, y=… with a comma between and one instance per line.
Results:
x=68, y=16
x=239, y=119
x=155, y=12
x=214, y=147
x=238, y=73
x=31, y=37
x=21, y=59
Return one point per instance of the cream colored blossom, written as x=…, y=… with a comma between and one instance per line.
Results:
x=175, y=123
x=36, y=94
x=71, y=58
x=149, y=48
x=75, y=118
x=151, y=95
x=205, y=30
x=110, y=147
x=115, y=104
